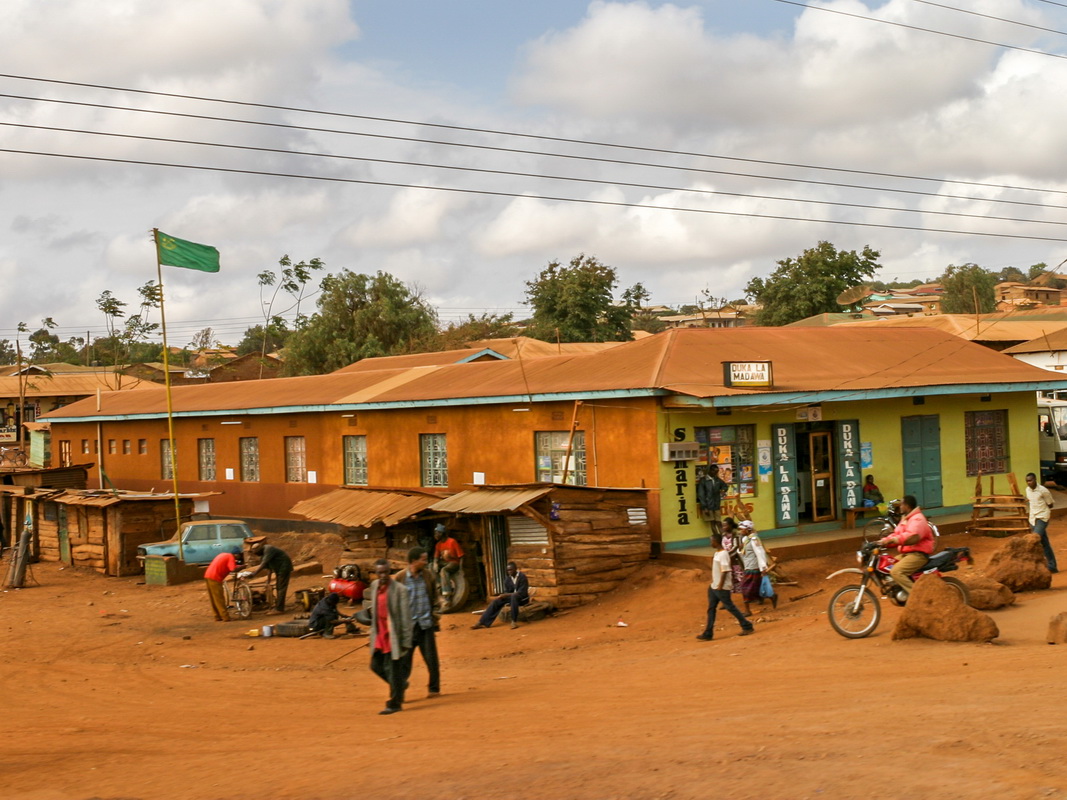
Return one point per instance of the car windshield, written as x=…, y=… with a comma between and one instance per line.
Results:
x=1059, y=419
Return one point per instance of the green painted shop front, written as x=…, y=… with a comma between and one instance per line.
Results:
x=797, y=469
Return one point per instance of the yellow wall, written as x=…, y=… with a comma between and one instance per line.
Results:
x=879, y=424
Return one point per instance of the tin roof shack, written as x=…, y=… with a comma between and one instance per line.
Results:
x=96, y=529
x=573, y=542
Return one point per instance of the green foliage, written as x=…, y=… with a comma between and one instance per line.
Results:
x=7, y=352
x=258, y=339
x=1011, y=275
x=882, y=286
x=474, y=329
x=968, y=289
x=574, y=303
x=359, y=316
x=127, y=340
x=808, y=285
x=1036, y=270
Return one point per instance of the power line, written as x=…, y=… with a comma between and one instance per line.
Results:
x=530, y=196
x=469, y=129
x=540, y=176
x=923, y=30
x=990, y=16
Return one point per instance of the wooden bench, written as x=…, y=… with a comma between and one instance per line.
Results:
x=851, y=514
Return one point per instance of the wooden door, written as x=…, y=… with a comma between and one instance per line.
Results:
x=823, y=505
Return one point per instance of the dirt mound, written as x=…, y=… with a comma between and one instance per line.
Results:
x=1057, y=629
x=325, y=548
x=1020, y=564
x=987, y=594
x=935, y=610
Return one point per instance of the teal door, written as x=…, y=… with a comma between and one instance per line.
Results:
x=921, y=438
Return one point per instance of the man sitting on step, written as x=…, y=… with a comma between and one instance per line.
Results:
x=516, y=593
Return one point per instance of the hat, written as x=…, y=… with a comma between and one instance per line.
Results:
x=746, y=525
x=439, y=528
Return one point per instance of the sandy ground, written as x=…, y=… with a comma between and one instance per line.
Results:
x=112, y=689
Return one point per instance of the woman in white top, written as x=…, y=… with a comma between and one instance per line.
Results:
x=756, y=563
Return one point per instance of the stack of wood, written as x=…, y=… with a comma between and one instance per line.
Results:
x=999, y=515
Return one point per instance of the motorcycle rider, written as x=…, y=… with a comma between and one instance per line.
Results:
x=915, y=539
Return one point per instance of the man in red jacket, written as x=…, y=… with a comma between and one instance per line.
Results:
x=217, y=572
x=915, y=539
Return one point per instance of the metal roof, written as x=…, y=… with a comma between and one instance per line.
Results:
x=102, y=498
x=362, y=508
x=489, y=501
x=1045, y=343
x=860, y=361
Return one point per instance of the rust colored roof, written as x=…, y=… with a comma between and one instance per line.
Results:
x=102, y=498
x=412, y=360
x=489, y=501
x=362, y=508
x=525, y=347
x=856, y=357
x=1051, y=342
x=68, y=384
x=991, y=328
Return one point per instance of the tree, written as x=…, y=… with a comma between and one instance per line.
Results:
x=359, y=316
x=474, y=329
x=808, y=285
x=203, y=339
x=574, y=303
x=1011, y=275
x=292, y=280
x=127, y=343
x=968, y=289
x=264, y=339
x=7, y=352
x=1036, y=270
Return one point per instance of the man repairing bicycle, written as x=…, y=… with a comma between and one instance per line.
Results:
x=914, y=537
x=275, y=560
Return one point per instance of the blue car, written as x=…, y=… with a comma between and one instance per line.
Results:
x=201, y=541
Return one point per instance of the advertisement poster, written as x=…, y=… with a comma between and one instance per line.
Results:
x=866, y=455
x=763, y=450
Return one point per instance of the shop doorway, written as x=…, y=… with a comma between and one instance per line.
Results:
x=816, y=478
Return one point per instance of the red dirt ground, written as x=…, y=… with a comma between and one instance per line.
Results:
x=113, y=689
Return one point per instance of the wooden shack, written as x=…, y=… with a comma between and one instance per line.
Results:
x=97, y=529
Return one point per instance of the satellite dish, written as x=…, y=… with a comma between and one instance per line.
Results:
x=853, y=295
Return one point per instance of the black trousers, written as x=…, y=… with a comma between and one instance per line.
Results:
x=281, y=588
x=722, y=596
x=393, y=673
x=425, y=642
x=495, y=607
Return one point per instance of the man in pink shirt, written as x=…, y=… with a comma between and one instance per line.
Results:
x=217, y=572
x=915, y=539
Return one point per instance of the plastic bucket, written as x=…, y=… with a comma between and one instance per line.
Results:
x=268, y=631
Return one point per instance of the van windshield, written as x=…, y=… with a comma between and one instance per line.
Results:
x=1059, y=419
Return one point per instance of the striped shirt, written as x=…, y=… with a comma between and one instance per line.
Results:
x=421, y=612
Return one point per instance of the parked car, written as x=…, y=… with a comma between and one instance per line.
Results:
x=201, y=540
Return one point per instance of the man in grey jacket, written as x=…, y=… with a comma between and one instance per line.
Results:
x=390, y=633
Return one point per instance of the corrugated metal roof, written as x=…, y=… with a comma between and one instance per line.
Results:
x=855, y=357
x=362, y=508
x=67, y=384
x=101, y=498
x=489, y=501
x=412, y=360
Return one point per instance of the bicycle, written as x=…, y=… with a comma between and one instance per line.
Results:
x=243, y=598
x=13, y=456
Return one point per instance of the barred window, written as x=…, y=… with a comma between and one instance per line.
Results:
x=85, y=446
x=296, y=470
x=434, y=459
x=64, y=453
x=985, y=436
x=249, y=446
x=205, y=453
x=355, y=451
x=550, y=450
x=126, y=448
x=166, y=461
x=142, y=447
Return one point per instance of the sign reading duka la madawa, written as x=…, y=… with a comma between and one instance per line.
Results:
x=748, y=374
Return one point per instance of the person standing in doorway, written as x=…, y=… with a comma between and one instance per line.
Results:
x=710, y=491
x=425, y=602
x=449, y=558
x=1040, y=500
x=719, y=592
x=390, y=634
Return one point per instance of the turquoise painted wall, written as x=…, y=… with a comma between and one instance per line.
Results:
x=879, y=424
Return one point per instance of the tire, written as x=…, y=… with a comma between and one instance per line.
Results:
x=242, y=601
x=20, y=459
x=291, y=630
x=848, y=624
x=460, y=594
x=876, y=529
x=960, y=587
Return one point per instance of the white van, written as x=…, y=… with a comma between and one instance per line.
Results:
x=1052, y=435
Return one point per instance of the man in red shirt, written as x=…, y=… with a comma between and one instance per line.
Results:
x=217, y=572
x=390, y=633
x=447, y=554
x=915, y=538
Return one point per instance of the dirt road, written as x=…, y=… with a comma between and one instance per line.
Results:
x=113, y=689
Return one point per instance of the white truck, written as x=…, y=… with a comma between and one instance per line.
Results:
x=1052, y=435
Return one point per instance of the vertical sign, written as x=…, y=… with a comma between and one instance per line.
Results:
x=681, y=482
x=784, y=456
x=849, y=468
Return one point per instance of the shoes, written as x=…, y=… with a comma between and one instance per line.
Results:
x=514, y=625
x=704, y=638
x=774, y=601
x=478, y=625
x=388, y=710
x=746, y=632
x=431, y=695
x=328, y=636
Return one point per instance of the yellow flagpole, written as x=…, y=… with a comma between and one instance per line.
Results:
x=170, y=404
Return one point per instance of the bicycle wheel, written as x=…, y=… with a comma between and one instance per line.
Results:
x=876, y=529
x=242, y=601
x=850, y=621
x=20, y=459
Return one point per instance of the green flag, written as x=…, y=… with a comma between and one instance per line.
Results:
x=174, y=252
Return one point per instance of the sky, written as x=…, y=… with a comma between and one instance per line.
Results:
x=462, y=145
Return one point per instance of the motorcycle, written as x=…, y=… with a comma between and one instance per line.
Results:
x=854, y=610
x=878, y=527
